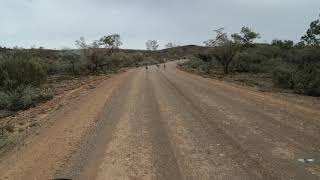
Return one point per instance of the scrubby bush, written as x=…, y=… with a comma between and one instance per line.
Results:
x=18, y=76
x=285, y=44
x=16, y=72
x=307, y=79
x=301, y=71
x=268, y=51
x=119, y=60
x=70, y=62
x=282, y=76
x=137, y=58
x=199, y=65
x=22, y=97
x=249, y=62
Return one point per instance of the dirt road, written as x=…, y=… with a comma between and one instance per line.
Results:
x=168, y=124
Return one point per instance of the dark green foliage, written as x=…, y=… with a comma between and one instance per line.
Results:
x=286, y=44
x=70, y=62
x=249, y=61
x=206, y=57
x=18, y=76
x=282, y=76
x=111, y=42
x=307, y=81
x=245, y=37
x=119, y=60
x=199, y=65
x=225, y=53
x=22, y=97
x=307, y=76
x=302, y=71
x=296, y=68
x=17, y=71
x=312, y=36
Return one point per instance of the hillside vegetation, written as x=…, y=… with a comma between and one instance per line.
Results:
x=282, y=63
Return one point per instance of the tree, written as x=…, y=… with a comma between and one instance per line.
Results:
x=245, y=37
x=225, y=53
x=111, y=42
x=312, y=36
x=72, y=58
x=220, y=38
x=170, y=45
x=223, y=50
x=300, y=44
x=152, y=45
x=97, y=57
x=81, y=43
x=286, y=44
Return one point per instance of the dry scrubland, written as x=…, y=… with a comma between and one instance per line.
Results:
x=34, y=82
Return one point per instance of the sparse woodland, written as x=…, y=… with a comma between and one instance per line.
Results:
x=288, y=65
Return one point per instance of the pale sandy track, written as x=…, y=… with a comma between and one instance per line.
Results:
x=168, y=124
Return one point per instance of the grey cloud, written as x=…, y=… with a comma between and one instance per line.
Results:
x=59, y=23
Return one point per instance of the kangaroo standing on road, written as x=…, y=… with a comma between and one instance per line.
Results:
x=164, y=66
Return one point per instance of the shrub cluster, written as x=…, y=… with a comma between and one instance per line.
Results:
x=291, y=67
x=22, y=97
x=301, y=71
x=18, y=77
x=15, y=72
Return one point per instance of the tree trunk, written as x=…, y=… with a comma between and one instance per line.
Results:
x=73, y=69
x=226, y=69
x=94, y=69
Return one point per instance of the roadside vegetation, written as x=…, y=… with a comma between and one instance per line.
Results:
x=281, y=64
x=25, y=74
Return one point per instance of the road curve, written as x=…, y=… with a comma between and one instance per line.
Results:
x=169, y=124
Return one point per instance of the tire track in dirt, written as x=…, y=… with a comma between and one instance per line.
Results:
x=139, y=147
x=236, y=160
x=252, y=129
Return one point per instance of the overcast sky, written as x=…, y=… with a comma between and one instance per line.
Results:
x=58, y=23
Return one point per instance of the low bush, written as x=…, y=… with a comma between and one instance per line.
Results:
x=283, y=77
x=301, y=71
x=21, y=98
x=307, y=80
x=119, y=60
x=249, y=62
x=16, y=72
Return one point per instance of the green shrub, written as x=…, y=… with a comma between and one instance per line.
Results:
x=4, y=100
x=303, y=79
x=307, y=75
x=16, y=72
x=120, y=59
x=249, y=62
x=307, y=80
x=70, y=62
x=282, y=76
x=21, y=98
